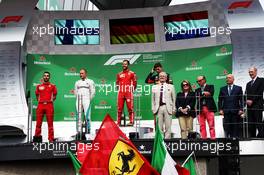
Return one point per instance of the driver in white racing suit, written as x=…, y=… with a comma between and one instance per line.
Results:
x=84, y=92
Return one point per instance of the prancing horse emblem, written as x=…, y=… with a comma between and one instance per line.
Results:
x=125, y=162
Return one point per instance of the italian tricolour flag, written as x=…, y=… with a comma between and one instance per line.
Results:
x=161, y=159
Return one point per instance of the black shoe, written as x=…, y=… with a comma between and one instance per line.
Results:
x=54, y=140
x=130, y=124
x=80, y=137
x=37, y=139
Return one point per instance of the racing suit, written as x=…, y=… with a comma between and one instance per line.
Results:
x=46, y=93
x=126, y=82
x=84, y=92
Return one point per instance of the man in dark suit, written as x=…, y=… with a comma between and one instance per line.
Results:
x=230, y=105
x=254, y=101
x=206, y=106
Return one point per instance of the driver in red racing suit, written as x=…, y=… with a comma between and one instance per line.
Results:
x=126, y=82
x=46, y=94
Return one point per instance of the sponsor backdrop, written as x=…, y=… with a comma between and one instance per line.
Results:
x=214, y=62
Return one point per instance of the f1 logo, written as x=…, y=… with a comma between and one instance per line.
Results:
x=240, y=4
x=8, y=19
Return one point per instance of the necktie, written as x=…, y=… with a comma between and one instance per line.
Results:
x=252, y=82
x=202, y=89
x=161, y=95
x=229, y=90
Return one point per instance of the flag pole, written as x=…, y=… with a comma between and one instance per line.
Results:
x=196, y=165
x=187, y=158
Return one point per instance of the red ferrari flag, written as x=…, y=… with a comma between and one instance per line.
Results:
x=116, y=154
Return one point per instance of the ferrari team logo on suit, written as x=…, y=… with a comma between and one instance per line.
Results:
x=124, y=160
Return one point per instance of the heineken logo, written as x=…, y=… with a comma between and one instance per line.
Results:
x=194, y=86
x=71, y=72
x=71, y=91
x=102, y=105
x=194, y=63
x=124, y=160
x=103, y=81
x=223, y=76
x=70, y=95
x=103, y=102
x=72, y=69
x=72, y=114
x=194, y=66
x=223, y=52
x=41, y=60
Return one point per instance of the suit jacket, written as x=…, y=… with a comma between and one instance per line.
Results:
x=183, y=102
x=206, y=101
x=255, y=93
x=232, y=103
x=169, y=97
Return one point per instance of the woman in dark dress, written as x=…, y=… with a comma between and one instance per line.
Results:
x=185, y=104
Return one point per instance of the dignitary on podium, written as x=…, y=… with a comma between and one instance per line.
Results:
x=206, y=107
x=254, y=103
x=230, y=105
x=163, y=104
x=185, y=106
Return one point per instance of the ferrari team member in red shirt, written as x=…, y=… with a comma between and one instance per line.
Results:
x=126, y=82
x=46, y=94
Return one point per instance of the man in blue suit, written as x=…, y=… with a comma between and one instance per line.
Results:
x=230, y=105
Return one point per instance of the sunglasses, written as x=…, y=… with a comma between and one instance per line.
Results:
x=199, y=80
x=185, y=85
